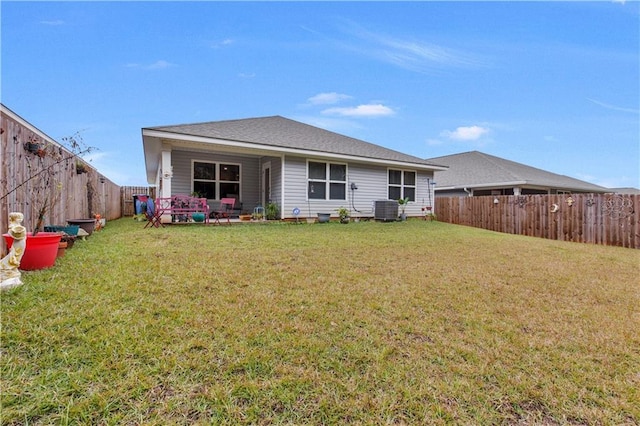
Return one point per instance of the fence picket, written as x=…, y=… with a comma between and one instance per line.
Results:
x=82, y=195
x=608, y=219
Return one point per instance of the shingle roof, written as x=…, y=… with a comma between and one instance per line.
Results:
x=280, y=132
x=476, y=169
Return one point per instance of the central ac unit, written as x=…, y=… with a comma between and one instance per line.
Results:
x=385, y=210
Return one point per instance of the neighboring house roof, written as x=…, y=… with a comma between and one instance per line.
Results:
x=629, y=191
x=279, y=134
x=476, y=169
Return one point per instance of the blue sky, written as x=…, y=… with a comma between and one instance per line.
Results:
x=554, y=85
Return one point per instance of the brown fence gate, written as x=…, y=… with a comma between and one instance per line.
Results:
x=126, y=197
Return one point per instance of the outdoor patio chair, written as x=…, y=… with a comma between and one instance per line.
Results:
x=225, y=210
x=152, y=214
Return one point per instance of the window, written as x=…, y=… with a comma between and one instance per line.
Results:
x=211, y=179
x=204, y=179
x=229, y=181
x=402, y=183
x=326, y=179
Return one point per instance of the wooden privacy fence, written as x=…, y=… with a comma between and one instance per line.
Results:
x=126, y=197
x=72, y=194
x=608, y=219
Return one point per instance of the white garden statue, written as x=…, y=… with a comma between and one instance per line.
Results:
x=9, y=272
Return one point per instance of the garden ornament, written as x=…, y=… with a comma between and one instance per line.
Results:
x=9, y=272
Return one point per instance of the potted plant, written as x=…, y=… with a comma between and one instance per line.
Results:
x=68, y=230
x=428, y=213
x=62, y=247
x=41, y=189
x=40, y=252
x=33, y=145
x=402, y=202
x=81, y=167
x=69, y=239
x=343, y=214
x=271, y=211
x=197, y=217
x=324, y=217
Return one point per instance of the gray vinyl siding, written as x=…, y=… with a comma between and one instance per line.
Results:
x=249, y=174
x=276, y=178
x=296, y=190
x=181, y=163
x=372, y=185
x=295, y=186
x=370, y=180
x=249, y=183
x=290, y=190
x=425, y=196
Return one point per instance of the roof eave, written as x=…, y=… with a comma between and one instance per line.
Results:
x=267, y=149
x=482, y=185
x=519, y=184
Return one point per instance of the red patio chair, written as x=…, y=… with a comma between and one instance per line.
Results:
x=225, y=210
x=154, y=214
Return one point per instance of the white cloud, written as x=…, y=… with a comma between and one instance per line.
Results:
x=161, y=64
x=608, y=181
x=369, y=110
x=328, y=98
x=468, y=133
x=412, y=54
x=95, y=157
x=222, y=43
x=614, y=107
x=54, y=23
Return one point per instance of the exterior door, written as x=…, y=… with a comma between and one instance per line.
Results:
x=266, y=183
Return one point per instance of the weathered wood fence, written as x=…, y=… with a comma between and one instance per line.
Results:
x=71, y=194
x=126, y=197
x=608, y=219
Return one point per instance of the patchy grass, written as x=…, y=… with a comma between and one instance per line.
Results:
x=366, y=323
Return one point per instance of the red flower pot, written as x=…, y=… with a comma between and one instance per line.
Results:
x=41, y=250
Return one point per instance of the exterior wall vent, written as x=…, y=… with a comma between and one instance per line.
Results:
x=385, y=210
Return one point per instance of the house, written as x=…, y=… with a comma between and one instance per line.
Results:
x=301, y=168
x=475, y=173
x=626, y=191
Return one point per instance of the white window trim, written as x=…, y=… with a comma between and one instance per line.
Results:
x=327, y=181
x=402, y=185
x=217, y=180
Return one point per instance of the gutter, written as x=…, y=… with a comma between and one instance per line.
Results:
x=182, y=138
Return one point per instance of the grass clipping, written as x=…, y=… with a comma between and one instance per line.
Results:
x=366, y=323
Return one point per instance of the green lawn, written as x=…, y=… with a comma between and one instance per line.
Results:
x=365, y=323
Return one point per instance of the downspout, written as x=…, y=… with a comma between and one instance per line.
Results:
x=283, y=195
x=469, y=193
x=167, y=171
